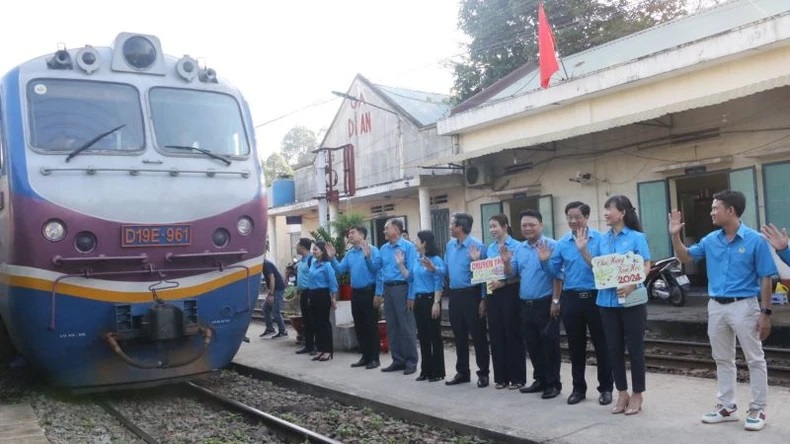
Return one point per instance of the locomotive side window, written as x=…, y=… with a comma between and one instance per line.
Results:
x=198, y=119
x=65, y=114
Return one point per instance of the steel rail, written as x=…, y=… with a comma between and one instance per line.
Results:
x=288, y=427
x=127, y=423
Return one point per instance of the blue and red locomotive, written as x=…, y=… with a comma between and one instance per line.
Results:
x=132, y=215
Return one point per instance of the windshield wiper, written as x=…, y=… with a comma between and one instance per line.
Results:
x=91, y=142
x=200, y=150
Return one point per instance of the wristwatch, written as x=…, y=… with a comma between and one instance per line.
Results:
x=555, y=301
x=767, y=311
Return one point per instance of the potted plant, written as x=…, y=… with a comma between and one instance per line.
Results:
x=340, y=226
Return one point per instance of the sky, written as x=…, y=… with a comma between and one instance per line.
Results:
x=285, y=56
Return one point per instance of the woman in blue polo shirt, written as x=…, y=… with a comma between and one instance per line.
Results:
x=425, y=295
x=623, y=326
x=323, y=297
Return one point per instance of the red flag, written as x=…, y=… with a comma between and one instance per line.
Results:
x=546, y=55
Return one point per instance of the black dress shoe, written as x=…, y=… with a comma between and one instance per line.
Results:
x=550, y=392
x=457, y=379
x=393, y=368
x=409, y=370
x=361, y=363
x=482, y=382
x=576, y=397
x=605, y=398
x=372, y=364
x=435, y=378
x=421, y=378
x=534, y=388
x=303, y=350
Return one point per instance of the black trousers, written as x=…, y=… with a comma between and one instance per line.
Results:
x=365, y=323
x=625, y=327
x=429, y=332
x=504, y=330
x=465, y=320
x=307, y=319
x=580, y=313
x=542, y=337
x=320, y=304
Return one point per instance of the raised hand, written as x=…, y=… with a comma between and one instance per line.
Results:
x=504, y=254
x=366, y=248
x=581, y=238
x=399, y=257
x=544, y=252
x=428, y=264
x=331, y=251
x=675, y=224
x=474, y=252
x=778, y=239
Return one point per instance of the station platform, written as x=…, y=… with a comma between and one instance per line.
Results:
x=672, y=408
x=19, y=425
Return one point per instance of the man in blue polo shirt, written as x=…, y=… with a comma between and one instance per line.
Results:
x=539, y=319
x=466, y=301
x=577, y=306
x=739, y=267
x=363, y=285
x=392, y=284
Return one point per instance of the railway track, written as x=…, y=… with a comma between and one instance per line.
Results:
x=287, y=430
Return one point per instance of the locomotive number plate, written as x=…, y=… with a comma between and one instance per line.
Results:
x=155, y=235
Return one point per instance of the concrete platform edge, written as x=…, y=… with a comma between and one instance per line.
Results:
x=389, y=409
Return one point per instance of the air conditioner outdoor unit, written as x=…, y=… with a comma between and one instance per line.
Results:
x=478, y=175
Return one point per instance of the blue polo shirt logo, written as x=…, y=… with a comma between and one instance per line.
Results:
x=742, y=250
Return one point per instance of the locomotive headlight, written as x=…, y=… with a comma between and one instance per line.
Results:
x=220, y=238
x=244, y=226
x=139, y=52
x=85, y=242
x=54, y=230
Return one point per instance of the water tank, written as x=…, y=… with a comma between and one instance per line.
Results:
x=283, y=192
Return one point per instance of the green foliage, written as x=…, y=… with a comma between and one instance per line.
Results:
x=504, y=32
x=297, y=146
x=275, y=166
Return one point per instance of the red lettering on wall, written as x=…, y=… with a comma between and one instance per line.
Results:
x=364, y=123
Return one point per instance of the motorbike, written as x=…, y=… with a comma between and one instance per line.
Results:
x=666, y=281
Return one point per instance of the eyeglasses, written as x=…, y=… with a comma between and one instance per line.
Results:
x=574, y=218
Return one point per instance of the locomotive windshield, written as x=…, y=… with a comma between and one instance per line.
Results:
x=67, y=114
x=200, y=119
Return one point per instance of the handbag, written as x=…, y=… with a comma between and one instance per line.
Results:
x=637, y=297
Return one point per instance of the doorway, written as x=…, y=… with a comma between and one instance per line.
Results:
x=695, y=196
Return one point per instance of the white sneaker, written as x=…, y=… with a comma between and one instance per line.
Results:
x=721, y=414
x=755, y=420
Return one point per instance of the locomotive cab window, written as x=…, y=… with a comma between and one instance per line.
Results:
x=69, y=114
x=204, y=120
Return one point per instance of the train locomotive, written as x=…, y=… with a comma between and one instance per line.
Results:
x=132, y=216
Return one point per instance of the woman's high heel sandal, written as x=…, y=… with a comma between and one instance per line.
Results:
x=326, y=357
x=318, y=357
x=634, y=406
x=621, y=405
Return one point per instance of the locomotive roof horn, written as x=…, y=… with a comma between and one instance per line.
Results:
x=60, y=60
x=187, y=68
x=88, y=59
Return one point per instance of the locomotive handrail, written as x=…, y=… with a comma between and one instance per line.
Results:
x=112, y=341
x=170, y=257
x=46, y=171
x=58, y=259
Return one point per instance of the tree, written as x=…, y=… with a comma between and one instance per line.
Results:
x=275, y=166
x=504, y=32
x=297, y=146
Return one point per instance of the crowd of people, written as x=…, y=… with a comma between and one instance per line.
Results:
x=545, y=282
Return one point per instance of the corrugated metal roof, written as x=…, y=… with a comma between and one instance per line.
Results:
x=684, y=30
x=427, y=108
